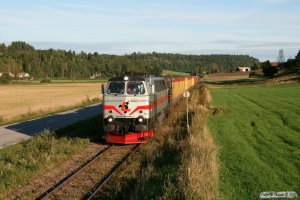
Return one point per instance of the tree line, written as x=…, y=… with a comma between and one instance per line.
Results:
x=22, y=57
x=292, y=65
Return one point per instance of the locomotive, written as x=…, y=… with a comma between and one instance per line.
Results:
x=131, y=105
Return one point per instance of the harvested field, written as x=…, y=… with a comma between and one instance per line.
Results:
x=226, y=76
x=19, y=101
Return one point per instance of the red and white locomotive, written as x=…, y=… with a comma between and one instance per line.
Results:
x=131, y=105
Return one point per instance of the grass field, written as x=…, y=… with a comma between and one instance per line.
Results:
x=258, y=133
x=174, y=73
x=20, y=101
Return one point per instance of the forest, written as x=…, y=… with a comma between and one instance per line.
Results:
x=22, y=57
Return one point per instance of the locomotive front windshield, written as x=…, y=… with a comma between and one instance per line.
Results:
x=116, y=87
x=135, y=88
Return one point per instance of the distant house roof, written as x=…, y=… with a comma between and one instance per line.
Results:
x=243, y=69
x=274, y=64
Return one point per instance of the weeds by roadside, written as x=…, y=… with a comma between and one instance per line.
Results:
x=21, y=163
x=1, y=119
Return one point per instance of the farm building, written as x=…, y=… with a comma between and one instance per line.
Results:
x=9, y=74
x=23, y=75
x=275, y=64
x=243, y=69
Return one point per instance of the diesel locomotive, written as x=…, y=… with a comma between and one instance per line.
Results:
x=132, y=105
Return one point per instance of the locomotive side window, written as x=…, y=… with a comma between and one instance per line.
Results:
x=135, y=88
x=116, y=88
x=160, y=85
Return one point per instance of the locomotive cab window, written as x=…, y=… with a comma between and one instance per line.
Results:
x=135, y=88
x=116, y=87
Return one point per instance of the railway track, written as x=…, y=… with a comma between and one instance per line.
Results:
x=88, y=179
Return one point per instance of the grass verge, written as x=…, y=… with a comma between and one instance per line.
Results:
x=25, y=161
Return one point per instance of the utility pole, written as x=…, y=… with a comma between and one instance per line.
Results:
x=186, y=95
x=281, y=58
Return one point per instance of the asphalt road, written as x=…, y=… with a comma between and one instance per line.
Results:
x=15, y=133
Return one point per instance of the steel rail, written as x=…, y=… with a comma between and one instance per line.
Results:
x=103, y=181
x=68, y=177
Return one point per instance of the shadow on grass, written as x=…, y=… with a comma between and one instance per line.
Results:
x=90, y=129
x=236, y=82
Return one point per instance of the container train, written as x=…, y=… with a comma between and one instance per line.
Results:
x=132, y=105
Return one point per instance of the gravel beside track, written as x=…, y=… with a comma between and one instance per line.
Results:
x=81, y=185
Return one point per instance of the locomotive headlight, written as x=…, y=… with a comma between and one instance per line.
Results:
x=110, y=119
x=140, y=119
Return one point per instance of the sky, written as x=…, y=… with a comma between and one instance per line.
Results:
x=258, y=28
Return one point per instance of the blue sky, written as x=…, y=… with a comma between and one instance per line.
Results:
x=257, y=28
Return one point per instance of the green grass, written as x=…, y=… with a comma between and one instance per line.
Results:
x=22, y=163
x=259, y=140
x=174, y=73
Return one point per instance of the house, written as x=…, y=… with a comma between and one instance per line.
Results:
x=275, y=64
x=243, y=69
x=95, y=75
x=23, y=75
x=11, y=75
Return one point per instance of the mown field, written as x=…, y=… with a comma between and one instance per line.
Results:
x=257, y=130
x=23, y=101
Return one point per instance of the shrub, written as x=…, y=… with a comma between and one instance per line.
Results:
x=1, y=119
x=5, y=78
x=45, y=80
x=4, y=81
x=267, y=69
x=251, y=74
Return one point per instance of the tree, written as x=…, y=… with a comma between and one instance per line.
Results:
x=20, y=56
x=156, y=70
x=297, y=58
x=214, y=68
x=267, y=68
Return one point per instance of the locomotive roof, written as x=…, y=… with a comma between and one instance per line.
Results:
x=130, y=78
x=136, y=78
